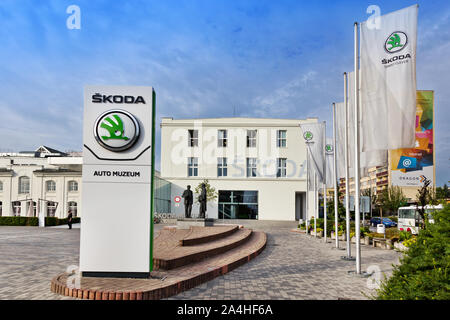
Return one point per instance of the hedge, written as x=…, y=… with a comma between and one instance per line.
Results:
x=423, y=272
x=19, y=221
x=34, y=221
x=54, y=221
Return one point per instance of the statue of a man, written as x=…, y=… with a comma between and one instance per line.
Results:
x=188, y=200
x=202, y=200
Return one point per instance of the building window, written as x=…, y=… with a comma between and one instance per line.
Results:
x=73, y=186
x=1, y=208
x=238, y=204
x=192, y=167
x=281, y=138
x=251, y=138
x=51, y=209
x=73, y=208
x=24, y=185
x=163, y=194
x=222, y=138
x=34, y=208
x=281, y=167
x=51, y=186
x=1, y=186
x=193, y=138
x=222, y=168
x=251, y=167
x=16, y=208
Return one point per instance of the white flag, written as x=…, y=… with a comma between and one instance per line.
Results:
x=340, y=139
x=388, y=81
x=329, y=161
x=311, y=170
x=313, y=133
x=367, y=159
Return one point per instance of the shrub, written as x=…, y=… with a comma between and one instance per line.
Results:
x=19, y=221
x=405, y=235
x=364, y=231
x=408, y=243
x=376, y=235
x=51, y=221
x=392, y=232
x=320, y=224
x=423, y=272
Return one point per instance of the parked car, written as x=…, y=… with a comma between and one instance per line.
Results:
x=386, y=221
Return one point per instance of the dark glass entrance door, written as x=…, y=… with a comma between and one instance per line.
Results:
x=238, y=204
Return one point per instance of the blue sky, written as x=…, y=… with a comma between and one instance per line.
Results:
x=215, y=58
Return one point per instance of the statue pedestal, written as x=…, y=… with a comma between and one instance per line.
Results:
x=186, y=223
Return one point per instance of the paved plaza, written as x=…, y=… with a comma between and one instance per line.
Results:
x=293, y=266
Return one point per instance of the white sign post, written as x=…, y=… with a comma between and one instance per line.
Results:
x=117, y=223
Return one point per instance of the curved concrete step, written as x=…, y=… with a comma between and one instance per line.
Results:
x=175, y=281
x=195, y=239
x=168, y=257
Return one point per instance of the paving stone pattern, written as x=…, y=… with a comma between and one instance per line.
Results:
x=296, y=266
x=292, y=266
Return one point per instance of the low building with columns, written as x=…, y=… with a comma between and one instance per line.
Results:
x=44, y=180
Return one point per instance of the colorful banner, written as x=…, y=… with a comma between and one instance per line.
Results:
x=410, y=166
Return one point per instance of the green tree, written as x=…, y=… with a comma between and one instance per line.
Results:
x=211, y=193
x=341, y=208
x=391, y=199
x=442, y=193
x=426, y=195
x=423, y=272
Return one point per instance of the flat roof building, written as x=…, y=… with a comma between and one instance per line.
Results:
x=256, y=166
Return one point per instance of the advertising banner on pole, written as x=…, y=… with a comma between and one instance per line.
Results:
x=313, y=134
x=410, y=166
x=388, y=81
x=329, y=158
x=118, y=137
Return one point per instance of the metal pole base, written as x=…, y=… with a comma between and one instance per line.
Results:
x=348, y=258
x=363, y=274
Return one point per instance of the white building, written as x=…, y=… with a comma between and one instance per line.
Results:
x=257, y=166
x=45, y=179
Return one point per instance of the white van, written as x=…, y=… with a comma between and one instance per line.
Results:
x=409, y=217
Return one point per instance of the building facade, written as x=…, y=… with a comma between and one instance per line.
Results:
x=44, y=180
x=256, y=166
x=376, y=179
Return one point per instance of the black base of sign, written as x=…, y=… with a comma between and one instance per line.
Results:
x=96, y=274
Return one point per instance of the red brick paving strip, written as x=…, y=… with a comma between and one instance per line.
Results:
x=177, y=280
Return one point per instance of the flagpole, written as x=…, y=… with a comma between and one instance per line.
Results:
x=347, y=175
x=335, y=179
x=307, y=190
x=325, y=184
x=316, y=204
x=356, y=166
